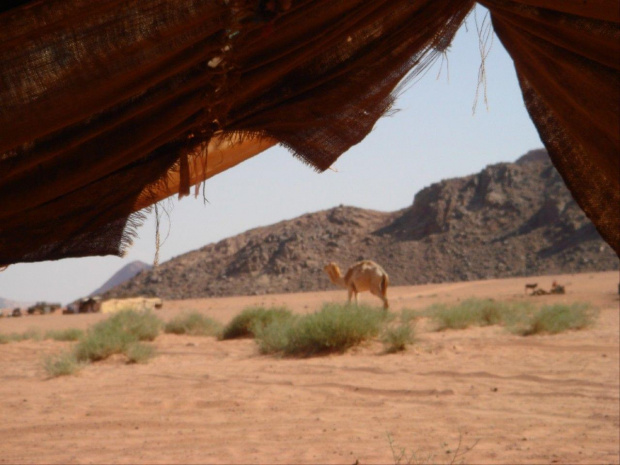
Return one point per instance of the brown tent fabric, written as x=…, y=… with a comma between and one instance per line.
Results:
x=567, y=58
x=106, y=107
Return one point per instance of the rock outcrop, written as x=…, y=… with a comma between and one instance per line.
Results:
x=511, y=219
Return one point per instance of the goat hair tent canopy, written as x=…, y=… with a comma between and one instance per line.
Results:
x=107, y=107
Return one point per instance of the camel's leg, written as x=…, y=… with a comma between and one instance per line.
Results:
x=350, y=292
x=382, y=297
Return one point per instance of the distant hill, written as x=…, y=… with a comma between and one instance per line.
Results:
x=511, y=219
x=6, y=303
x=125, y=273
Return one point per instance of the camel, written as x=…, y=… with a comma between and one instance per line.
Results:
x=361, y=276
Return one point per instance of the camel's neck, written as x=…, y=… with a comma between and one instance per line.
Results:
x=337, y=279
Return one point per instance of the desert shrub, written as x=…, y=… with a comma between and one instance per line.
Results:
x=65, y=363
x=471, y=312
x=103, y=340
x=12, y=337
x=395, y=339
x=275, y=336
x=139, y=352
x=145, y=326
x=452, y=455
x=477, y=312
x=116, y=334
x=553, y=319
x=403, y=456
x=194, y=324
x=71, y=334
x=516, y=313
x=30, y=334
x=252, y=319
x=450, y=317
x=397, y=336
x=518, y=317
x=408, y=316
x=334, y=328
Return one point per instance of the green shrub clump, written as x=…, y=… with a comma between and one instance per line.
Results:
x=471, y=312
x=63, y=364
x=478, y=312
x=30, y=334
x=193, y=324
x=139, y=352
x=253, y=319
x=335, y=328
x=518, y=317
x=71, y=334
x=396, y=337
x=553, y=319
x=117, y=334
x=122, y=333
x=145, y=326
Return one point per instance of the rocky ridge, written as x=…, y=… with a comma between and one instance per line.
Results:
x=511, y=219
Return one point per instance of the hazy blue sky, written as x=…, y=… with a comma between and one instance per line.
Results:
x=434, y=136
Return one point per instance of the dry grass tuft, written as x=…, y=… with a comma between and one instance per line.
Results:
x=193, y=324
x=63, y=364
x=253, y=319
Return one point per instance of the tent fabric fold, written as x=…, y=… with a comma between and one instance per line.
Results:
x=106, y=107
x=567, y=62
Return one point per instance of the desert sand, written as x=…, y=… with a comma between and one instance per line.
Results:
x=515, y=399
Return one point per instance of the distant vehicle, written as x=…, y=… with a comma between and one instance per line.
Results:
x=70, y=309
x=96, y=304
x=89, y=305
x=42, y=308
x=137, y=304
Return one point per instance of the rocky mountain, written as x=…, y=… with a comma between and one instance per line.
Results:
x=124, y=274
x=511, y=219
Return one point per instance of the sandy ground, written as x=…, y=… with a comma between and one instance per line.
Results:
x=538, y=399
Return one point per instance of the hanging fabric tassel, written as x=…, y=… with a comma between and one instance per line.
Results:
x=183, y=176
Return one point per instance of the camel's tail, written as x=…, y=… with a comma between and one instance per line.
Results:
x=385, y=282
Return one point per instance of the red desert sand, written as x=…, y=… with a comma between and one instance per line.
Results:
x=535, y=399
